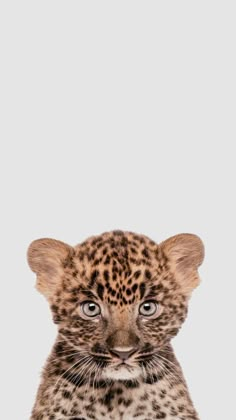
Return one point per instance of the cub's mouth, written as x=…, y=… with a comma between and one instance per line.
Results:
x=117, y=369
x=121, y=371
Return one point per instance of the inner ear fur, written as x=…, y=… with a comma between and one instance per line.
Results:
x=45, y=258
x=185, y=253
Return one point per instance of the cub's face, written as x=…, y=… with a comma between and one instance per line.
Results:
x=117, y=298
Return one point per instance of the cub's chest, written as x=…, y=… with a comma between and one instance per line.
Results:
x=119, y=403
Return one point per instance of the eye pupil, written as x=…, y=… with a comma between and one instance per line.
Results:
x=90, y=309
x=148, y=308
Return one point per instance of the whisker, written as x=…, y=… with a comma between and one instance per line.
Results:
x=64, y=356
x=64, y=373
x=169, y=370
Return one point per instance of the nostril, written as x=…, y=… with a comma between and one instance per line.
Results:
x=123, y=353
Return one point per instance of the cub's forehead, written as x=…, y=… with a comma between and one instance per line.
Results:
x=118, y=250
x=118, y=265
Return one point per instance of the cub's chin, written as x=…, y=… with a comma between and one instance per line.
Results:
x=121, y=372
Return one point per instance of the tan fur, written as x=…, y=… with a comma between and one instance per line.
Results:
x=45, y=258
x=119, y=271
x=186, y=253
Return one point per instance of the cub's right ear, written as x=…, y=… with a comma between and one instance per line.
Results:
x=45, y=258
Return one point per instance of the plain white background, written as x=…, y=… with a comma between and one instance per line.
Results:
x=118, y=115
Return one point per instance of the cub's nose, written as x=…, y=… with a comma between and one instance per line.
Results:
x=123, y=352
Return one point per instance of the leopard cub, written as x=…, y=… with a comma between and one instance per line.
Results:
x=118, y=299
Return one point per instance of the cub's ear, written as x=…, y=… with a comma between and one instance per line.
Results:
x=185, y=253
x=45, y=258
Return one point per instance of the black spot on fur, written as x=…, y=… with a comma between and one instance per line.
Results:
x=108, y=398
x=100, y=290
x=134, y=288
x=137, y=274
x=106, y=275
x=66, y=394
x=152, y=379
x=131, y=384
x=142, y=289
x=93, y=279
x=145, y=253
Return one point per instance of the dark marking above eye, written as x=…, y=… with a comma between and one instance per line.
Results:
x=88, y=294
x=142, y=289
x=100, y=290
x=94, y=276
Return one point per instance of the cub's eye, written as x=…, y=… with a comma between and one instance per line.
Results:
x=149, y=308
x=90, y=309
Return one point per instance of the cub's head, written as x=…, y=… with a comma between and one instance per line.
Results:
x=117, y=298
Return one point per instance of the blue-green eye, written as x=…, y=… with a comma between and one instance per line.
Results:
x=91, y=309
x=148, y=308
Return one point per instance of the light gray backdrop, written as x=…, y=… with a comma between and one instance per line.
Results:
x=118, y=115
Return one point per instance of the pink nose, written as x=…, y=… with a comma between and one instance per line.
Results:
x=123, y=354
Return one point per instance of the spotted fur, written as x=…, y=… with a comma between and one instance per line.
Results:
x=83, y=378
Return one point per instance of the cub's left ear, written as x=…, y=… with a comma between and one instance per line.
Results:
x=185, y=253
